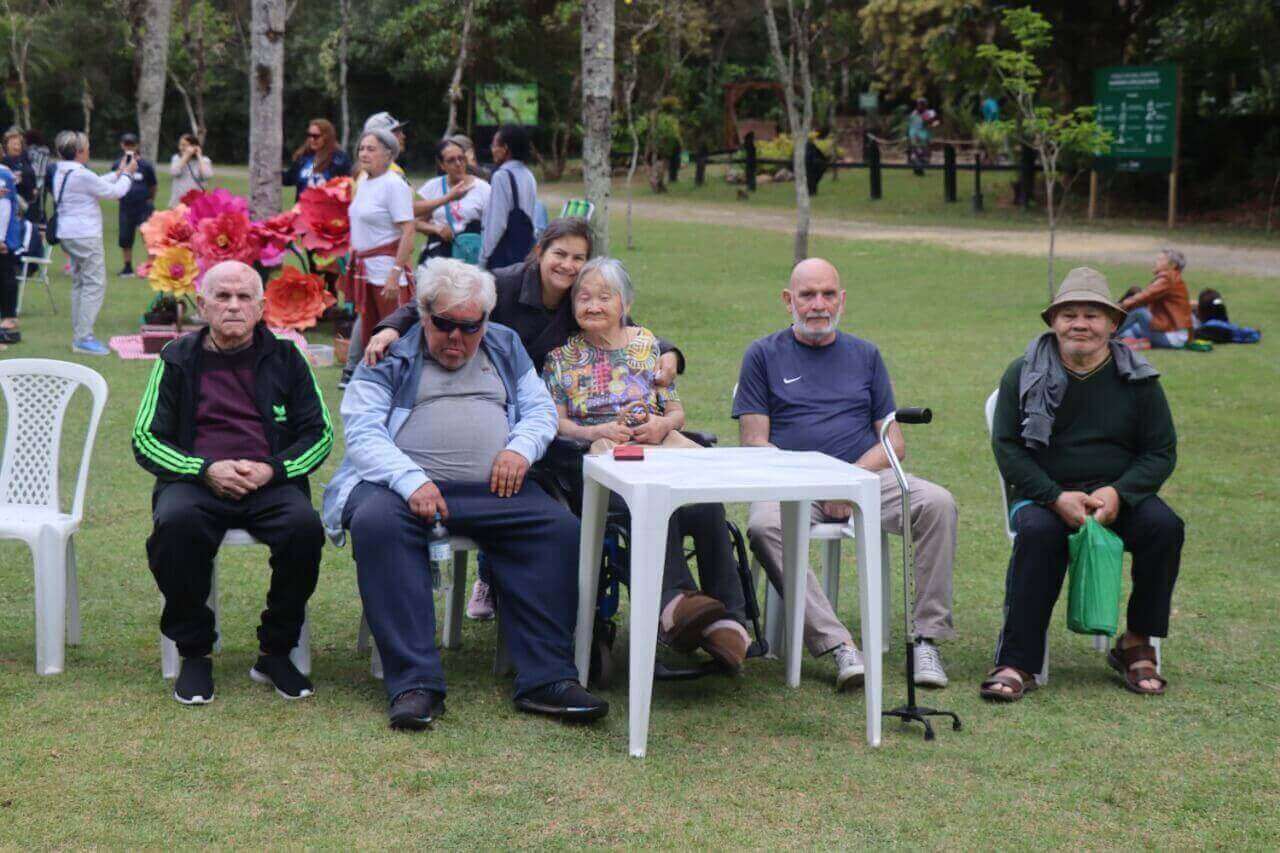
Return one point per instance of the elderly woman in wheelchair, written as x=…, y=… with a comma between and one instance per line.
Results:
x=602, y=381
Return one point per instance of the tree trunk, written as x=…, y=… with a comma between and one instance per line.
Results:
x=1049, y=180
x=186, y=103
x=597, y=106
x=155, y=59
x=86, y=103
x=344, y=47
x=455, y=85
x=266, y=108
x=799, y=116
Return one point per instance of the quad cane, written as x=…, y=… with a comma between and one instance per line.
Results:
x=910, y=711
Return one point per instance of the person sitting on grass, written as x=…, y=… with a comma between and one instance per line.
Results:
x=231, y=424
x=812, y=387
x=603, y=382
x=1082, y=428
x=1161, y=311
x=444, y=428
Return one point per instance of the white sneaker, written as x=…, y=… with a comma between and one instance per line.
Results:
x=928, y=663
x=850, y=669
x=480, y=607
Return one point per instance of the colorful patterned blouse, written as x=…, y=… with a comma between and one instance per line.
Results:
x=594, y=384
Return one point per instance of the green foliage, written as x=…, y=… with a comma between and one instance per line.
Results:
x=782, y=147
x=922, y=46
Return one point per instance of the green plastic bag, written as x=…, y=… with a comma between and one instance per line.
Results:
x=1093, y=580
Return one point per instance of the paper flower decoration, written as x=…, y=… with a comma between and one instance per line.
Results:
x=166, y=228
x=323, y=224
x=174, y=271
x=225, y=237
x=295, y=300
x=206, y=205
x=275, y=235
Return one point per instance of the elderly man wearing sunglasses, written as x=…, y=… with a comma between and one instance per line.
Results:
x=446, y=426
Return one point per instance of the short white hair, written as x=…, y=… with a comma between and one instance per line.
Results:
x=614, y=275
x=1175, y=257
x=385, y=138
x=231, y=271
x=447, y=282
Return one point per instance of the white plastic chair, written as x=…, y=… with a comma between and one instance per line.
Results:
x=454, y=586
x=171, y=661
x=24, y=274
x=1099, y=641
x=36, y=393
x=832, y=536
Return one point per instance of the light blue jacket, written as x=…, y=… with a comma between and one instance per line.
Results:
x=379, y=400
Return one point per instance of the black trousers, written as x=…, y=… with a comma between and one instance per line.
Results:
x=8, y=286
x=189, y=523
x=1152, y=533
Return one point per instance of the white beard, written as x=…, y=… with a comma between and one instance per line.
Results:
x=804, y=333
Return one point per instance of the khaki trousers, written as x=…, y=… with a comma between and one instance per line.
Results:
x=933, y=524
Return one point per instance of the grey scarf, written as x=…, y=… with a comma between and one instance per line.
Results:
x=1043, y=383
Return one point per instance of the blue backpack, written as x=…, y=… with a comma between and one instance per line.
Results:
x=1224, y=332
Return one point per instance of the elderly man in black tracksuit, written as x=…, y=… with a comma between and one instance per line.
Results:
x=231, y=424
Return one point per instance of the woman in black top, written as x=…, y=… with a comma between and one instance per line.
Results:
x=533, y=299
x=15, y=157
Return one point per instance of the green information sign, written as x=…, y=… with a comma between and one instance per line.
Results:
x=1138, y=104
x=507, y=103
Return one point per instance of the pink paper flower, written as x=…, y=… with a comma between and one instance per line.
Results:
x=226, y=237
x=205, y=205
x=275, y=235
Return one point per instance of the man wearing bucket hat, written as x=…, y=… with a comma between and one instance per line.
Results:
x=1082, y=428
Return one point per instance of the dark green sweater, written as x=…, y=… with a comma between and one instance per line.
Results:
x=1107, y=432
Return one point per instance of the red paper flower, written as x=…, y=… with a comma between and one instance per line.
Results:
x=206, y=205
x=275, y=235
x=167, y=228
x=295, y=300
x=323, y=224
x=226, y=237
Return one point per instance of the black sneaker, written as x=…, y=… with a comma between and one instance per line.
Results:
x=280, y=673
x=344, y=379
x=565, y=699
x=195, y=682
x=126, y=270
x=415, y=710
x=10, y=336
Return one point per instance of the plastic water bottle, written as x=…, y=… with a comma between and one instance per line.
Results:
x=439, y=550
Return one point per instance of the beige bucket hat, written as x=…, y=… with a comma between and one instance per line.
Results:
x=1084, y=284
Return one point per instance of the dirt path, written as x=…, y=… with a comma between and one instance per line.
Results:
x=1077, y=245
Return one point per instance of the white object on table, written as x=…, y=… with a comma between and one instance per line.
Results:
x=669, y=478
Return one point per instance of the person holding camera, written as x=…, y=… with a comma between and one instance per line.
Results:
x=139, y=202
x=75, y=191
x=191, y=170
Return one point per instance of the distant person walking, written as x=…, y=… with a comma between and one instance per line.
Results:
x=191, y=170
x=139, y=203
x=508, y=219
x=76, y=192
x=318, y=158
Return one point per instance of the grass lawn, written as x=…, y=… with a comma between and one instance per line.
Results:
x=101, y=755
x=910, y=200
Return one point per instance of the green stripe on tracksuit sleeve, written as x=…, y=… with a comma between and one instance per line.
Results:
x=316, y=452
x=148, y=445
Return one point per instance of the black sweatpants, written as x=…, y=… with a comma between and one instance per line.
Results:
x=1152, y=532
x=190, y=522
x=8, y=286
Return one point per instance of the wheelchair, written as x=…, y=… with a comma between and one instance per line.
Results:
x=559, y=473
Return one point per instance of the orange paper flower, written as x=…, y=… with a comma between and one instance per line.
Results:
x=295, y=300
x=167, y=228
x=174, y=271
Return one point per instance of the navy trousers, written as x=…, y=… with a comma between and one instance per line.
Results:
x=1152, y=532
x=532, y=547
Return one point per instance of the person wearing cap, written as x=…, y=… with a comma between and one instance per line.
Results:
x=139, y=203
x=1082, y=428
x=386, y=121
x=1161, y=311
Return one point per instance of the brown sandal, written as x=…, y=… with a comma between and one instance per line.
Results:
x=693, y=612
x=1137, y=664
x=987, y=690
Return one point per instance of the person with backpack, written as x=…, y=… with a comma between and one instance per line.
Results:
x=1161, y=311
x=508, y=219
x=453, y=205
x=76, y=225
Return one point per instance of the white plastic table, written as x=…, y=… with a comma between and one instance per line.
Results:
x=669, y=478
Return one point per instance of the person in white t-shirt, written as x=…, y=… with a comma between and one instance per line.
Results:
x=191, y=170
x=453, y=202
x=382, y=232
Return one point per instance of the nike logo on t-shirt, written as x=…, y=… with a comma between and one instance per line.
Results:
x=786, y=381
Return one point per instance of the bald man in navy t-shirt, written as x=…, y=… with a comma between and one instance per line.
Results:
x=811, y=387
